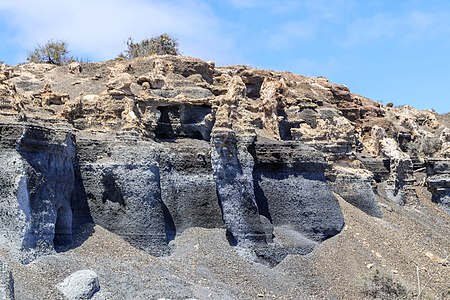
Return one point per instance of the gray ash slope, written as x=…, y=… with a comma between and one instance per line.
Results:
x=197, y=181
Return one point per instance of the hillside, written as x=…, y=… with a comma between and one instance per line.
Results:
x=172, y=178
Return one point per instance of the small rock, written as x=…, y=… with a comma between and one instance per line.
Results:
x=96, y=77
x=75, y=67
x=436, y=258
x=80, y=285
x=369, y=266
x=394, y=272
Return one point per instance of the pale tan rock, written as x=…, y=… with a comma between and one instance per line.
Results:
x=120, y=85
x=75, y=67
x=48, y=97
x=154, y=81
x=435, y=258
x=271, y=98
x=129, y=117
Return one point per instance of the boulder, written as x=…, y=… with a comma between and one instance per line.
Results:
x=82, y=284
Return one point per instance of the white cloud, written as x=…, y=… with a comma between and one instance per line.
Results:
x=309, y=67
x=247, y=3
x=422, y=24
x=274, y=6
x=289, y=33
x=331, y=11
x=411, y=26
x=306, y=21
x=99, y=28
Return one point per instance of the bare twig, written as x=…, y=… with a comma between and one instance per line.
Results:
x=418, y=282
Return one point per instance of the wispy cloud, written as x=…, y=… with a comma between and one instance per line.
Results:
x=273, y=6
x=99, y=28
x=306, y=21
x=411, y=26
x=351, y=23
x=246, y=3
x=290, y=33
x=311, y=67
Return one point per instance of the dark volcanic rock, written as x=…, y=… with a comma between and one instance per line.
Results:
x=6, y=282
x=148, y=148
x=39, y=189
x=438, y=181
x=188, y=188
x=358, y=189
x=122, y=184
x=233, y=167
x=291, y=189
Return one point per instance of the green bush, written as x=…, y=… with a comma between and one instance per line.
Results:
x=160, y=45
x=53, y=52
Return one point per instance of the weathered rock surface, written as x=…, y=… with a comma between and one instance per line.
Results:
x=6, y=282
x=122, y=188
x=438, y=181
x=82, y=284
x=355, y=186
x=151, y=147
x=39, y=188
x=291, y=189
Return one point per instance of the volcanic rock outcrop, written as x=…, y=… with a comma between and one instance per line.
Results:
x=150, y=147
x=6, y=282
x=438, y=181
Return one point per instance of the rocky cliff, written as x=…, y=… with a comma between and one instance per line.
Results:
x=152, y=149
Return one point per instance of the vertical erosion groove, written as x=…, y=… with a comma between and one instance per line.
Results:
x=234, y=184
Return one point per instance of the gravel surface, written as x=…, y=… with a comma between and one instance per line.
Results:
x=204, y=266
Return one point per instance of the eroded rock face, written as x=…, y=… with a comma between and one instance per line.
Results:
x=438, y=181
x=233, y=167
x=122, y=185
x=188, y=188
x=50, y=181
x=291, y=189
x=39, y=189
x=358, y=189
x=184, y=121
x=152, y=146
x=6, y=282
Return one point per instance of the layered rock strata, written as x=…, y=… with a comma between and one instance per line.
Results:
x=438, y=181
x=150, y=147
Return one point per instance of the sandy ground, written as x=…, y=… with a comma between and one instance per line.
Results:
x=406, y=242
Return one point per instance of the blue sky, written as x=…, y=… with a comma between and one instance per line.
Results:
x=388, y=50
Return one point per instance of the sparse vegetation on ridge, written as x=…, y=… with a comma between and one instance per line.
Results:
x=159, y=45
x=54, y=52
